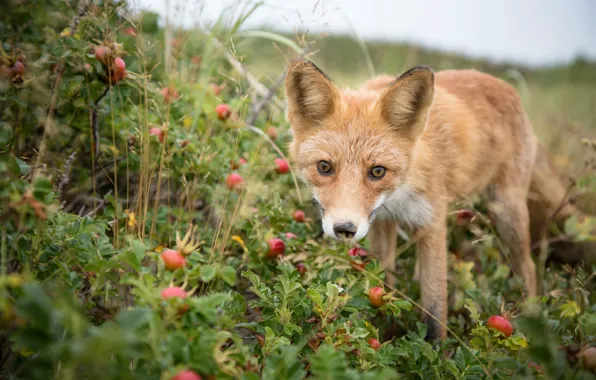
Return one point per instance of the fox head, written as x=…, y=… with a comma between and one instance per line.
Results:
x=354, y=147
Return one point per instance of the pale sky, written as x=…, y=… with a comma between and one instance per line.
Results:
x=526, y=31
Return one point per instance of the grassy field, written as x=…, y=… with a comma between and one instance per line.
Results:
x=151, y=229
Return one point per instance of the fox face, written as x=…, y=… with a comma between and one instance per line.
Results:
x=354, y=148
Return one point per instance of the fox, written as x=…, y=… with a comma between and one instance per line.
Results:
x=399, y=151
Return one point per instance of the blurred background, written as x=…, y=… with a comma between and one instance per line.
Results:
x=546, y=48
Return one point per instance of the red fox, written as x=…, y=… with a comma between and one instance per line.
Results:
x=400, y=150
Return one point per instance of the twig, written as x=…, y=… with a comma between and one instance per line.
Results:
x=94, y=129
x=544, y=242
x=65, y=178
x=81, y=10
x=257, y=107
x=99, y=206
x=260, y=88
x=555, y=239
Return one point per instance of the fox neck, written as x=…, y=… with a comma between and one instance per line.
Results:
x=405, y=205
x=408, y=203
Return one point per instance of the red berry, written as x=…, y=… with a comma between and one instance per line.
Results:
x=375, y=295
x=499, y=323
x=282, y=165
x=101, y=54
x=236, y=164
x=186, y=375
x=272, y=133
x=169, y=94
x=130, y=31
x=158, y=132
x=463, y=217
x=588, y=357
x=196, y=60
x=299, y=216
x=301, y=269
x=356, y=252
x=290, y=235
x=114, y=77
x=223, y=111
x=119, y=65
x=173, y=292
x=234, y=181
x=18, y=69
x=374, y=344
x=173, y=259
x=534, y=366
x=276, y=247
x=216, y=89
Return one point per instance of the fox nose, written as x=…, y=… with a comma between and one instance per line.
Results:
x=345, y=230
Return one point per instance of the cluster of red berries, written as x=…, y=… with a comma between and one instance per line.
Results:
x=115, y=66
x=14, y=71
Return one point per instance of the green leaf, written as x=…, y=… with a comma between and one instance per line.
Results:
x=328, y=363
x=569, y=309
x=359, y=332
x=471, y=306
x=229, y=275
x=208, y=272
x=134, y=318
x=315, y=297
x=403, y=304
x=284, y=363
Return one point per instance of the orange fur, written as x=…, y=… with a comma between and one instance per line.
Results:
x=439, y=138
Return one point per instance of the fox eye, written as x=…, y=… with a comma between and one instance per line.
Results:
x=377, y=172
x=324, y=167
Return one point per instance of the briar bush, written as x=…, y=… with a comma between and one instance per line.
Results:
x=148, y=231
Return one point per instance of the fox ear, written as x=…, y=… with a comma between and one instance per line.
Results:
x=310, y=93
x=406, y=101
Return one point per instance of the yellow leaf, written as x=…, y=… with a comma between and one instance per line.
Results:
x=239, y=240
x=26, y=353
x=187, y=121
x=131, y=219
x=159, y=248
x=65, y=32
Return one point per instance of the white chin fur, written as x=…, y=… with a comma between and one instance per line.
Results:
x=328, y=227
x=361, y=231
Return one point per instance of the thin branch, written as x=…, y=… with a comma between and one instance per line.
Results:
x=94, y=129
x=257, y=107
x=65, y=178
x=99, y=206
x=260, y=88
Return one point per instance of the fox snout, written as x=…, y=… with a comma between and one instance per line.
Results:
x=345, y=225
x=344, y=230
